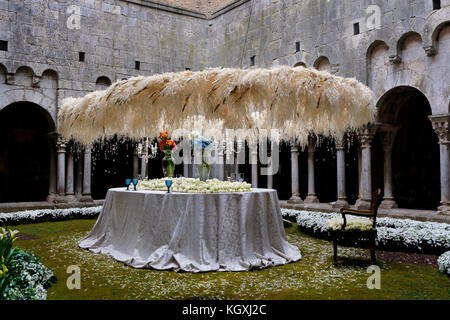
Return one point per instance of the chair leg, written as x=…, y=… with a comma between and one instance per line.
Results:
x=335, y=250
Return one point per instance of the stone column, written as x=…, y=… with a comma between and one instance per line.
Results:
x=295, y=198
x=52, y=174
x=441, y=124
x=311, y=198
x=70, y=194
x=365, y=136
x=61, y=169
x=340, y=162
x=254, y=164
x=387, y=134
x=87, y=197
x=135, y=163
x=79, y=178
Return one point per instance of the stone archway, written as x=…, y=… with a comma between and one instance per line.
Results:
x=414, y=148
x=24, y=152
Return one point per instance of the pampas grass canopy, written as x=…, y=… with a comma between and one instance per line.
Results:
x=296, y=101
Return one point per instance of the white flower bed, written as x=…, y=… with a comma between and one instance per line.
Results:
x=47, y=214
x=403, y=234
x=191, y=185
x=444, y=263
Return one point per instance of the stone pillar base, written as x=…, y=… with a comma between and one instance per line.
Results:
x=61, y=199
x=341, y=203
x=444, y=209
x=51, y=197
x=388, y=204
x=362, y=204
x=86, y=198
x=71, y=198
x=295, y=199
x=311, y=199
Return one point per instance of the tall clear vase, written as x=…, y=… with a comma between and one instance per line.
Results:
x=203, y=171
x=168, y=166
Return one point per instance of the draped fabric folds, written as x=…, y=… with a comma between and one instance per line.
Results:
x=192, y=232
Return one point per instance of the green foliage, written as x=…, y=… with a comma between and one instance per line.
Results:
x=22, y=275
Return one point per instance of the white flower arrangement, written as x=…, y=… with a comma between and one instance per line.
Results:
x=444, y=263
x=47, y=214
x=191, y=185
x=402, y=234
x=361, y=224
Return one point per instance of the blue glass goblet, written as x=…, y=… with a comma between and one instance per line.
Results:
x=168, y=185
x=135, y=183
x=127, y=183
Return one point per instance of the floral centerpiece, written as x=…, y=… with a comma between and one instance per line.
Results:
x=200, y=143
x=167, y=145
x=191, y=185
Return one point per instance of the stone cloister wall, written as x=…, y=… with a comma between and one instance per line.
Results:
x=409, y=47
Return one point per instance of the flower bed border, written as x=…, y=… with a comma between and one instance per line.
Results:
x=43, y=215
x=392, y=234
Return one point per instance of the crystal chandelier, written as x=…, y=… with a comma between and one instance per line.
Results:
x=147, y=151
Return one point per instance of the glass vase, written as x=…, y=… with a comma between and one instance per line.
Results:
x=168, y=166
x=203, y=171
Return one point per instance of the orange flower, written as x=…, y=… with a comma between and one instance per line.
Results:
x=163, y=135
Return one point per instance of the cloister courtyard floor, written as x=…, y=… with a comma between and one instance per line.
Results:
x=403, y=276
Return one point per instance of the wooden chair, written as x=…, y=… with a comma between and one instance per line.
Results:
x=370, y=234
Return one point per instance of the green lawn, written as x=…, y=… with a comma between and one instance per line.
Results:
x=314, y=277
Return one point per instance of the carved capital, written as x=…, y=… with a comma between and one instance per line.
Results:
x=430, y=50
x=441, y=125
x=294, y=148
x=10, y=78
x=340, y=143
x=36, y=81
x=387, y=134
x=395, y=59
x=366, y=134
x=61, y=144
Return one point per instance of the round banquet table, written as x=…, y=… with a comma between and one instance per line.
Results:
x=192, y=232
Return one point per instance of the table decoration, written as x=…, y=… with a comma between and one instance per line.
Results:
x=191, y=185
x=127, y=183
x=298, y=102
x=168, y=183
x=167, y=145
x=200, y=144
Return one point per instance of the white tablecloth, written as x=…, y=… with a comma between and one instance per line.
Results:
x=192, y=232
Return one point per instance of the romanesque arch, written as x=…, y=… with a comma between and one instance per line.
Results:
x=31, y=95
x=322, y=64
x=102, y=83
x=25, y=151
x=300, y=64
x=414, y=145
